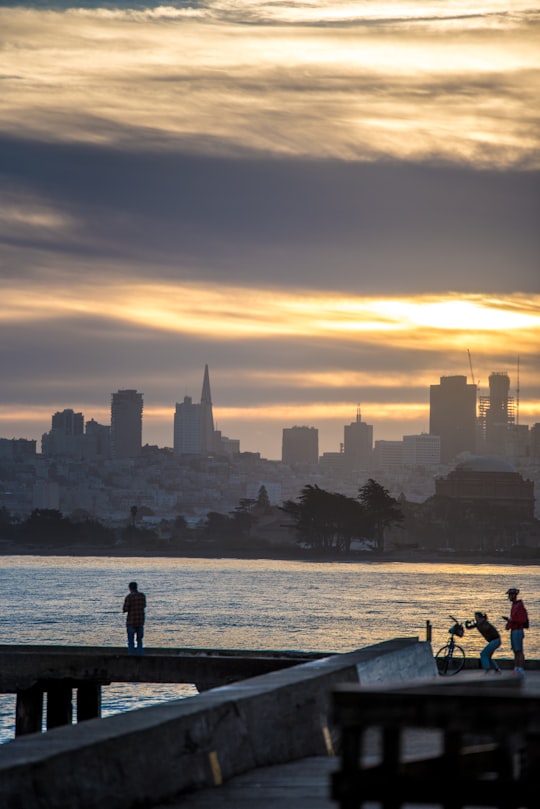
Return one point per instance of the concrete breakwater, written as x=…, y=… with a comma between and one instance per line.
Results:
x=154, y=754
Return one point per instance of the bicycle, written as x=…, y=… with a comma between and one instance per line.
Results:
x=450, y=658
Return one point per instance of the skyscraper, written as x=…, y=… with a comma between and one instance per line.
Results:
x=126, y=424
x=68, y=422
x=357, y=443
x=65, y=438
x=497, y=414
x=194, y=423
x=452, y=416
x=300, y=445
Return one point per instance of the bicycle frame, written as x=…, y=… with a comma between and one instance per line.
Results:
x=450, y=658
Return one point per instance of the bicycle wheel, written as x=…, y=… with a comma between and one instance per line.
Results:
x=450, y=660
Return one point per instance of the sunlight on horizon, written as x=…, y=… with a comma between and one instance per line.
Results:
x=242, y=311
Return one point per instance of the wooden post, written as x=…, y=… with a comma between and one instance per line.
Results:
x=29, y=710
x=428, y=631
x=88, y=701
x=59, y=705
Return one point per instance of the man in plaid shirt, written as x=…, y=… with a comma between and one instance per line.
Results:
x=134, y=605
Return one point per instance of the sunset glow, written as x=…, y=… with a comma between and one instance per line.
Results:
x=332, y=204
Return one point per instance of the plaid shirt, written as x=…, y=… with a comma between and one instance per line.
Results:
x=134, y=604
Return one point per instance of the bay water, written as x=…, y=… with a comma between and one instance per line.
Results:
x=248, y=605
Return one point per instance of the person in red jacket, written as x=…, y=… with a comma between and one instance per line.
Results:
x=516, y=622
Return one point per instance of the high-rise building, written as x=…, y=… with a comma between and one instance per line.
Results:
x=194, y=432
x=69, y=422
x=496, y=414
x=207, y=417
x=126, y=424
x=387, y=454
x=300, y=445
x=357, y=443
x=17, y=449
x=97, y=440
x=534, y=441
x=421, y=450
x=66, y=436
x=452, y=416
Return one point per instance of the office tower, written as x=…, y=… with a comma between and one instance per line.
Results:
x=194, y=423
x=65, y=438
x=357, y=443
x=496, y=414
x=452, y=416
x=68, y=422
x=534, y=441
x=300, y=445
x=207, y=416
x=17, y=450
x=421, y=450
x=126, y=424
x=97, y=440
x=387, y=454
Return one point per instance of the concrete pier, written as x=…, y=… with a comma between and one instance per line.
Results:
x=63, y=672
x=141, y=758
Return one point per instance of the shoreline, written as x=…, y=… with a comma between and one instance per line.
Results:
x=278, y=554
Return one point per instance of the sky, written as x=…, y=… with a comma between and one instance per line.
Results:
x=332, y=204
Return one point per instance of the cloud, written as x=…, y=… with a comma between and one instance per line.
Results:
x=350, y=225
x=305, y=80
x=329, y=204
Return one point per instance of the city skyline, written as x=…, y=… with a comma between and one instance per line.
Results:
x=330, y=204
x=122, y=395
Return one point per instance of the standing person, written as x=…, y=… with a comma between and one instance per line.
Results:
x=134, y=606
x=516, y=623
x=491, y=634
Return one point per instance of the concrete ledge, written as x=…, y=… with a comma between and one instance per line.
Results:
x=140, y=758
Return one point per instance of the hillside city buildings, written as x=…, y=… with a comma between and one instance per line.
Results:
x=103, y=470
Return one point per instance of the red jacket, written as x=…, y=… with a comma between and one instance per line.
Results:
x=518, y=615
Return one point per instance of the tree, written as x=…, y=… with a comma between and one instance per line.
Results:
x=380, y=508
x=7, y=524
x=262, y=505
x=46, y=525
x=328, y=521
x=180, y=529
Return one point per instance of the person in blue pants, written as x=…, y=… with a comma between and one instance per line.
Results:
x=489, y=633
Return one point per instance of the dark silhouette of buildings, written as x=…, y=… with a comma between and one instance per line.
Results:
x=194, y=432
x=496, y=414
x=126, y=424
x=357, y=443
x=452, y=416
x=300, y=445
x=65, y=438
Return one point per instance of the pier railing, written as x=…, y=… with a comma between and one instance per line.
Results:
x=486, y=748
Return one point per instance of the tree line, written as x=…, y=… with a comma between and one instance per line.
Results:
x=326, y=522
x=330, y=521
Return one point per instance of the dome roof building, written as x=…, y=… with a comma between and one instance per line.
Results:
x=485, y=463
x=491, y=481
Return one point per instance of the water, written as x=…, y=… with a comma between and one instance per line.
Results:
x=247, y=604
